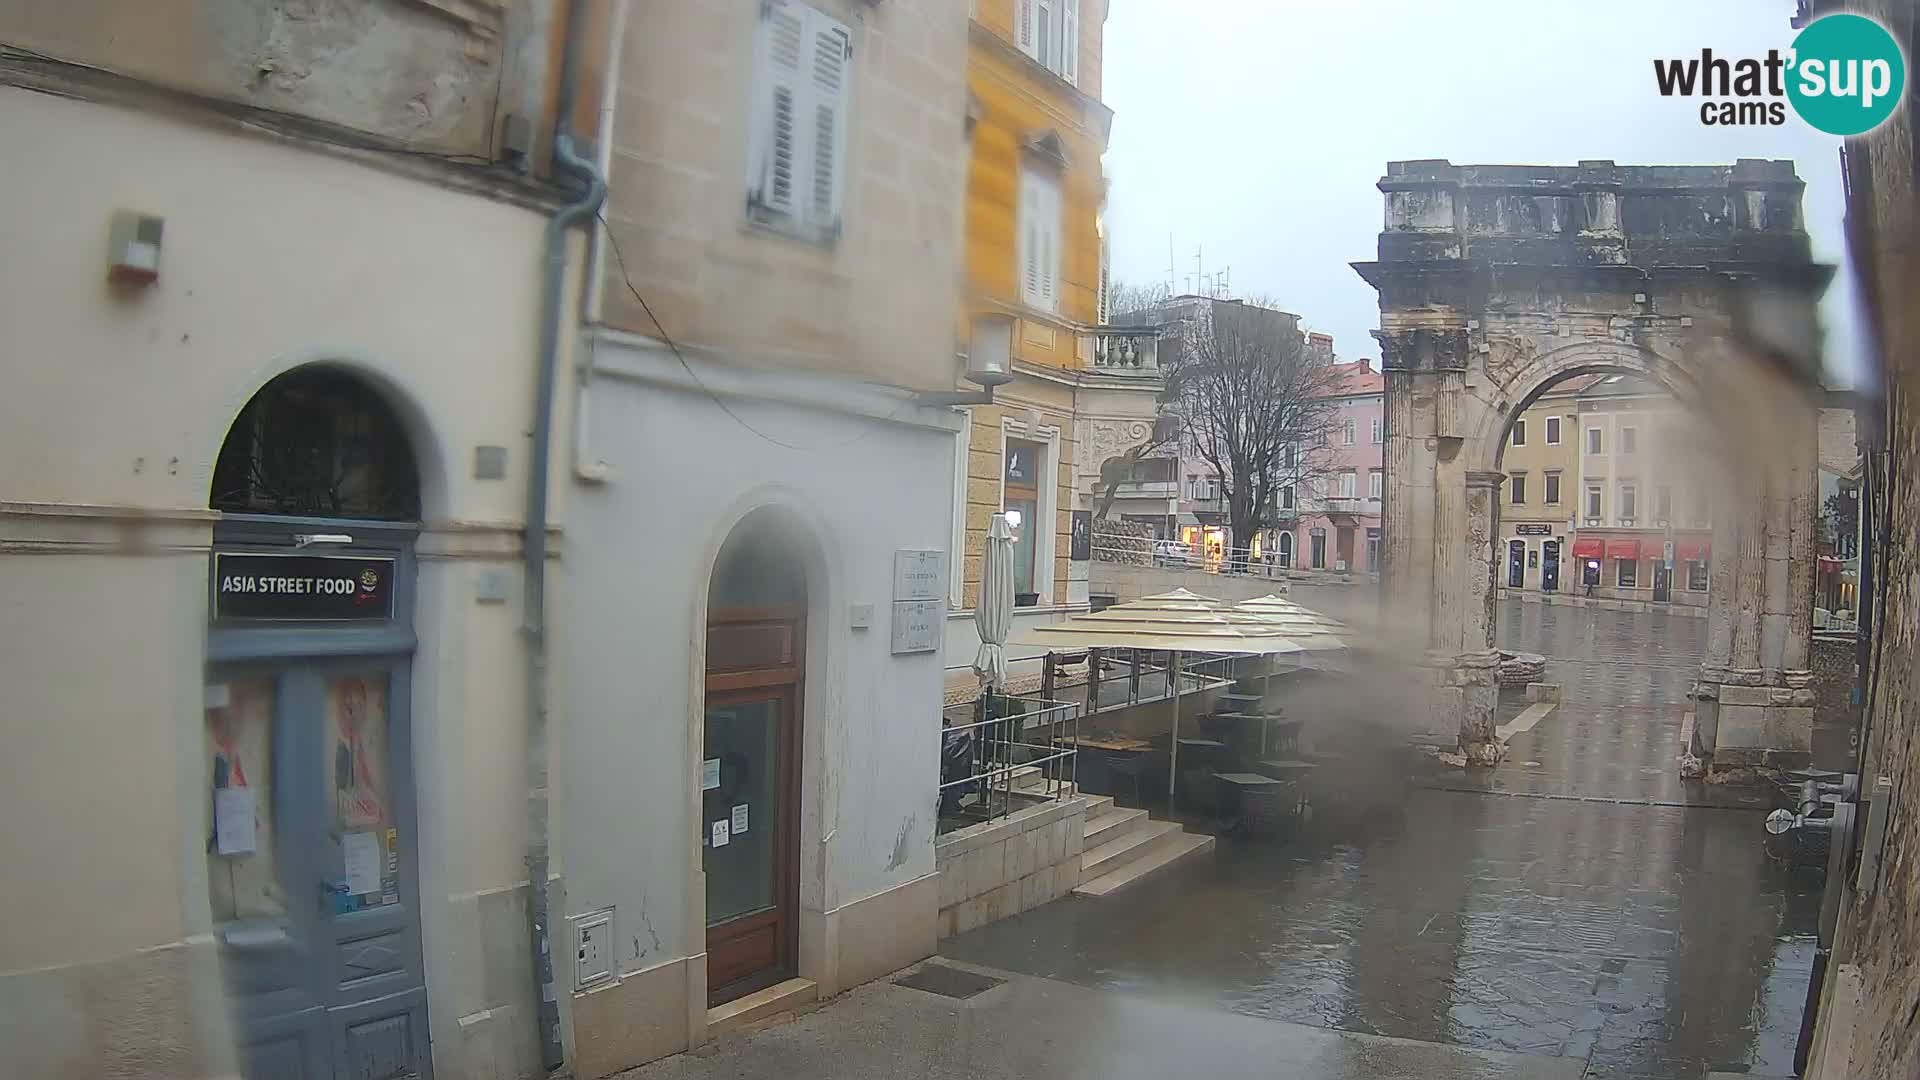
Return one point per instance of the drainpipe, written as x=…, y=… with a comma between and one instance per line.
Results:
x=568, y=165
x=586, y=468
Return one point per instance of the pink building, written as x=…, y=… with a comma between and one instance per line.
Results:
x=1337, y=526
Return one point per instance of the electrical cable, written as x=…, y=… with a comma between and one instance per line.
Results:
x=621, y=261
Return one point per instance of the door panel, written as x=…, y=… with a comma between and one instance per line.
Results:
x=747, y=827
x=318, y=923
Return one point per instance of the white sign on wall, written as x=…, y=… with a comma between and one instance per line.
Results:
x=919, y=575
x=917, y=625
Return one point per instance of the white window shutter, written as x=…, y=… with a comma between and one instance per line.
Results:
x=1051, y=227
x=828, y=80
x=1027, y=214
x=778, y=169
x=1026, y=25
x=1070, y=43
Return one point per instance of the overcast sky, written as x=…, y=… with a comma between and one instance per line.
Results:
x=1256, y=129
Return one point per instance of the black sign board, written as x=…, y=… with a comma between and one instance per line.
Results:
x=1533, y=530
x=1080, y=545
x=248, y=585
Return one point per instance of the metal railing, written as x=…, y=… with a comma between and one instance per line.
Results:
x=1172, y=554
x=1003, y=752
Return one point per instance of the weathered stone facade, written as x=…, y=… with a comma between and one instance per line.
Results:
x=1497, y=282
x=1869, y=1025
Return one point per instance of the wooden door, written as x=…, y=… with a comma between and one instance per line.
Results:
x=750, y=801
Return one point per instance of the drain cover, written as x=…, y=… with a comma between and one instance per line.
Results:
x=947, y=981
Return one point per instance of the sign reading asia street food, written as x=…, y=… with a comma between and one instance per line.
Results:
x=301, y=587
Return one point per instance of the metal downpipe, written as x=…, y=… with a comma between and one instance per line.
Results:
x=567, y=163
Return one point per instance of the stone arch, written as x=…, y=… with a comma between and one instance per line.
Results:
x=399, y=394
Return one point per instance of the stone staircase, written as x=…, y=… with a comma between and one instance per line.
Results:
x=1122, y=846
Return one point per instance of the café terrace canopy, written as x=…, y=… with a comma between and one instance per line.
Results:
x=1183, y=621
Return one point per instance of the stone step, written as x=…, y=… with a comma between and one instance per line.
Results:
x=1098, y=805
x=1103, y=827
x=1161, y=853
x=774, y=1000
x=1123, y=847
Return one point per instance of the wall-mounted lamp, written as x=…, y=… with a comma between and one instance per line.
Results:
x=989, y=363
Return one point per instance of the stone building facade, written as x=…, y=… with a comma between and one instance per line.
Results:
x=1866, y=1023
x=1497, y=282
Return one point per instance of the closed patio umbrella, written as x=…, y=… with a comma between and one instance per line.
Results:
x=993, y=612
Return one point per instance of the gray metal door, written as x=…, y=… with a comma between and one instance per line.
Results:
x=311, y=853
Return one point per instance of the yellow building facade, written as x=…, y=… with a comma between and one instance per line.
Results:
x=1035, y=269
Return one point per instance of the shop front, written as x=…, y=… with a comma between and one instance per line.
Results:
x=311, y=835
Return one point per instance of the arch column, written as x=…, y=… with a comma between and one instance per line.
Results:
x=1467, y=513
x=1754, y=700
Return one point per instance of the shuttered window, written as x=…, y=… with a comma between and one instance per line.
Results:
x=798, y=160
x=1039, y=240
x=1049, y=31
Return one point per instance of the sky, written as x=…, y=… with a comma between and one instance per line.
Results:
x=1253, y=131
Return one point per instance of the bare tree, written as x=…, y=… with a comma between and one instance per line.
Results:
x=1254, y=405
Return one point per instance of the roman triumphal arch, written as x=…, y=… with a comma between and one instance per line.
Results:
x=1498, y=282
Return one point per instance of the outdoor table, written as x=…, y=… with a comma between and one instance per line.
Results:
x=1244, y=785
x=1286, y=768
x=1267, y=720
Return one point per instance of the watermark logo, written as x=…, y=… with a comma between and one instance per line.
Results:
x=1845, y=75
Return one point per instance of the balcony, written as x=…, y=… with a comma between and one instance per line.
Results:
x=1147, y=489
x=1352, y=506
x=1125, y=350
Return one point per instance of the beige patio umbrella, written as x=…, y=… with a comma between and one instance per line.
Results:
x=993, y=611
x=1178, y=632
x=1310, y=631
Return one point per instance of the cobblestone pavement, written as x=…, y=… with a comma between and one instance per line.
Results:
x=1586, y=903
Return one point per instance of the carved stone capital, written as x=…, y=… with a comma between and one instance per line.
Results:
x=1477, y=478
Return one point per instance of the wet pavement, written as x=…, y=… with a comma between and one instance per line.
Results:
x=1037, y=1029
x=1584, y=902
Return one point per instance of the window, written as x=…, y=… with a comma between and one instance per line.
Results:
x=1319, y=488
x=1049, y=31
x=1593, y=440
x=1518, y=437
x=1625, y=572
x=1517, y=484
x=1317, y=548
x=1286, y=549
x=1347, y=479
x=1593, y=500
x=1040, y=240
x=1663, y=503
x=1553, y=431
x=1553, y=489
x=1379, y=431
x=1292, y=456
x=1628, y=496
x=1286, y=497
x=1376, y=482
x=1629, y=438
x=797, y=160
x=1020, y=500
x=1346, y=432
x=1194, y=490
x=1696, y=576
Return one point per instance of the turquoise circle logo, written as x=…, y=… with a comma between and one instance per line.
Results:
x=1848, y=74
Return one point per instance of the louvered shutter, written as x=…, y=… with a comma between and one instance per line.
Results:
x=1029, y=216
x=1070, y=43
x=1026, y=24
x=828, y=78
x=779, y=163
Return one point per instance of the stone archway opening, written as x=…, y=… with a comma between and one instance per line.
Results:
x=1498, y=283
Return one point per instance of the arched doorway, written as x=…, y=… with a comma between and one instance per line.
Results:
x=1286, y=550
x=311, y=825
x=751, y=755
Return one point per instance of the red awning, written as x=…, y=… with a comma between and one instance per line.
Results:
x=1692, y=550
x=1588, y=549
x=1623, y=549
